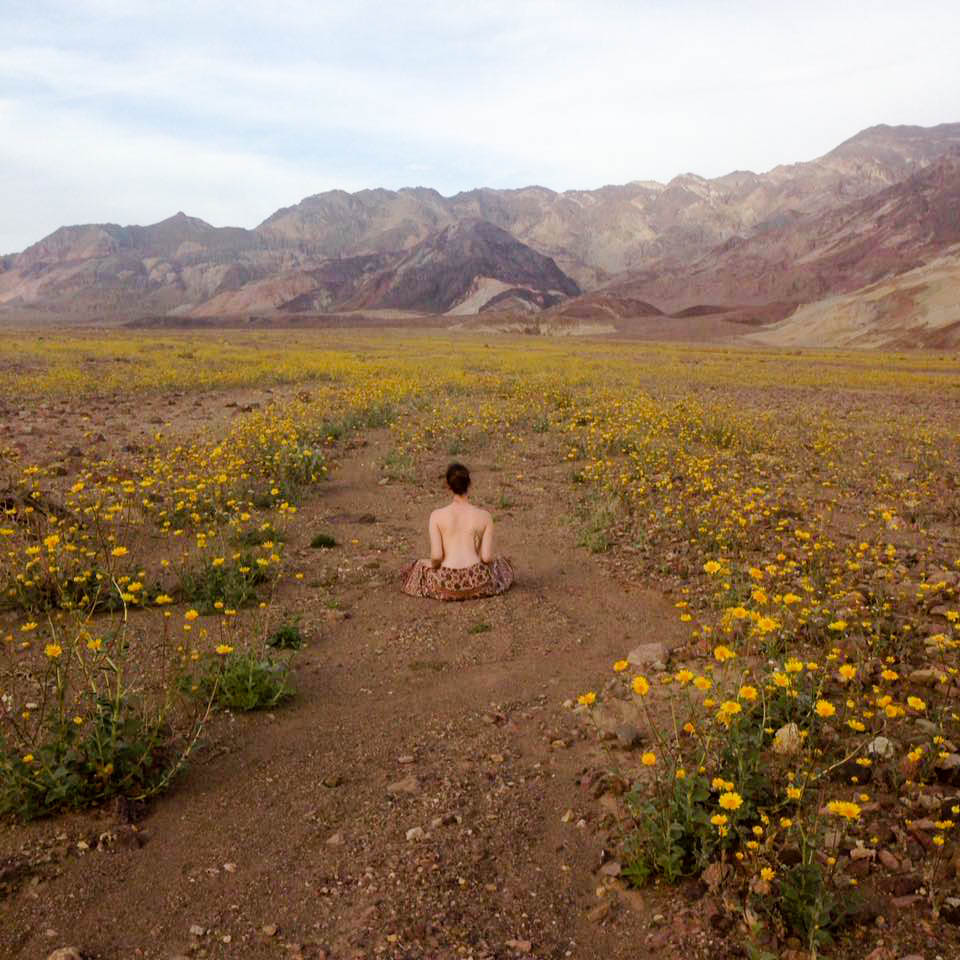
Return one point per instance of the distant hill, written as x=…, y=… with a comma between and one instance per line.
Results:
x=746, y=247
x=471, y=260
x=839, y=250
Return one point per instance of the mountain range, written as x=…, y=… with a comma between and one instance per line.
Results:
x=757, y=250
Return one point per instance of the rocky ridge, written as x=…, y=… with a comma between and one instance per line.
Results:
x=766, y=241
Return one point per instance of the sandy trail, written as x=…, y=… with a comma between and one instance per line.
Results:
x=403, y=719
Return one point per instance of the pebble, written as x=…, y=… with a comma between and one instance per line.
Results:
x=521, y=946
x=405, y=759
x=881, y=747
x=66, y=953
x=336, y=840
x=599, y=912
x=407, y=785
x=649, y=655
x=230, y=867
x=196, y=930
x=889, y=860
x=269, y=929
x=787, y=740
x=415, y=833
x=627, y=735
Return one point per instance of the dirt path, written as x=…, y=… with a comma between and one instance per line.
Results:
x=409, y=714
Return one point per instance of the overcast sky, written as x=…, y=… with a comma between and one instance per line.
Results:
x=128, y=111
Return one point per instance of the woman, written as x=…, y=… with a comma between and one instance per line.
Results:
x=462, y=565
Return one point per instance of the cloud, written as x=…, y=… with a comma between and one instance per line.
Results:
x=124, y=110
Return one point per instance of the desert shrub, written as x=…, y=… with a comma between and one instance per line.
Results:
x=217, y=584
x=323, y=541
x=238, y=680
x=257, y=537
x=287, y=637
x=596, y=529
x=116, y=749
x=398, y=465
x=673, y=837
x=760, y=783
x=79, y=724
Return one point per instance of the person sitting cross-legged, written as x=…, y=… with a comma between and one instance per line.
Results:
x=462, y=564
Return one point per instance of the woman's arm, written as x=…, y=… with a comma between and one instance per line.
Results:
x=486, y=543
x=436, y=542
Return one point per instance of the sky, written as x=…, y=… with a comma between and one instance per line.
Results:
x=127, y=111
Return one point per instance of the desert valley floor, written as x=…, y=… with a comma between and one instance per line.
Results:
x=433, y=789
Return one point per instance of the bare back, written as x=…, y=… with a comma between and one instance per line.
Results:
x=461, y=535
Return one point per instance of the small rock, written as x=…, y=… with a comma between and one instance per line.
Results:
x=901, y=903
x=715, y=874
x=787, y=740
x=66, y=953
x=599, y=912
x=405, y=759
x=889, y=860
x=196, y=930
x=230, y=867
x=567, y=817
x=950, y=910
x=881, y=747
x=658, y=920
x=611, y=869
x=336, y=840
x=521, y=946
x=627, y=735
x=269, y=929
x=415, y=834
x=862, y=853
x=653, y=655
x=407, y=785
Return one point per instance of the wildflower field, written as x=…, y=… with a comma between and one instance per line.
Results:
x=800, y=749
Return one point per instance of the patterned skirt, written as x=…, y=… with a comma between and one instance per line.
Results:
x=420, y=579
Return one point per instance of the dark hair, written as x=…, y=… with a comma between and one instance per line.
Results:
x=458, y=478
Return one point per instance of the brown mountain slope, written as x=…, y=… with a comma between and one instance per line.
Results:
x=471, y=259
x=594, y=233
x=182, y=264
x=841, y=250
x=919, y=308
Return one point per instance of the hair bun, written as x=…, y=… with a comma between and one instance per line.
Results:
x=458, y=478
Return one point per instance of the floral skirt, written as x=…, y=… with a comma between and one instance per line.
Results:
x=420, y=579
